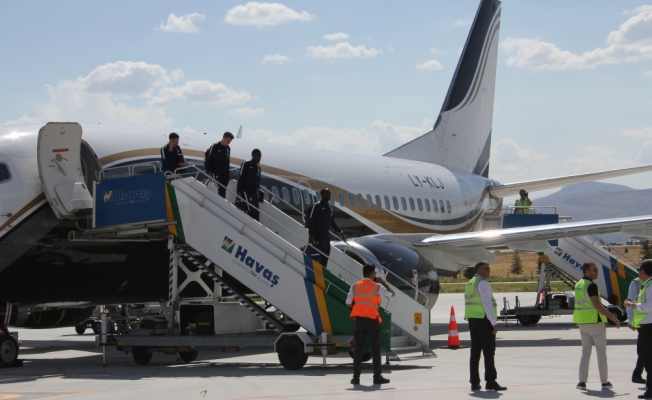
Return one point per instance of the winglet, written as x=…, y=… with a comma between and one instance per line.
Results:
x=239, y=135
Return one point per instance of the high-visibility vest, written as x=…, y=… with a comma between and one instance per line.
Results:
x=473, y=307
x=585, y=312
x=642, y=298
x=522, y=203
x=366, y=300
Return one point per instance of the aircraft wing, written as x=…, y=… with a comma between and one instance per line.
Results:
x=636, y=227
x=511, y=189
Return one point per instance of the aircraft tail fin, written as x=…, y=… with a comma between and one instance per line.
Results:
x=461, y=136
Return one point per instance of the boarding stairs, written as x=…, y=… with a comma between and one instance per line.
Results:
x=264, y=256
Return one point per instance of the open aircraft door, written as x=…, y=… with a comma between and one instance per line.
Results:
x=60, y=170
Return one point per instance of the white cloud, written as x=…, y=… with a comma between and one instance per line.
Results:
x=247, y=112
x=336, y=36
x=380, y=138
x=124, y=78
x=264, y=14
x=182, y=24
x=630, y=43
x=462, y=22
x=23, y=120
x=433, y=50
x=201, y=92
x=644, y=156
x=645, y=133
x=432, y=65
x=275, y=59
x=130, y=93
x=188, y=129
x=342, y=50
x=647, y=73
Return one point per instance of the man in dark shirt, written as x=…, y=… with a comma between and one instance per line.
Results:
x=171, y=155
x=319, y=223
x=249, y=183
x=219, y=162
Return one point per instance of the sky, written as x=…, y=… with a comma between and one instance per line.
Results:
x=573, y=89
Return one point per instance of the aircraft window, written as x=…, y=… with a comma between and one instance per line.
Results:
x=387, y=206
x=427, y=203
x=411, y=204
x=318, y=195
x=351, y=200
x=448, y=206
x=378, y=203
x=434, y=205
x=275, y=192
x=361, y=200
x=340, y=196
x=370, y=202
x=286, y=194
x=403, y=203
x=441, y=206
x=266, y=192
x=395, y=200
x=5, y=174
x=419, y=204
x=307, y=198
x=296, y=196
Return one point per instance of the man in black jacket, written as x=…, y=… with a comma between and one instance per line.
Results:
x=218, y=162
x=249, y=183
x=319, y=223
x=171, y=155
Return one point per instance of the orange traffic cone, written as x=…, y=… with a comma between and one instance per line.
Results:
x=453, y=335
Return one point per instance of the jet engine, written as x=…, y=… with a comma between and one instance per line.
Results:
x=404, y=265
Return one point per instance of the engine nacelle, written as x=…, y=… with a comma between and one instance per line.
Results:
x=44, y=318
x=402, y=261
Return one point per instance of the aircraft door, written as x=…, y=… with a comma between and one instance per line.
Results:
x=60, y=169
x=307, y=198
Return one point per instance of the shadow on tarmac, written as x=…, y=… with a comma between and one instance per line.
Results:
x=604, y=394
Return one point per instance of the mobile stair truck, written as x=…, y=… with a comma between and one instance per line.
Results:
x=216, y=247
x=562, y=260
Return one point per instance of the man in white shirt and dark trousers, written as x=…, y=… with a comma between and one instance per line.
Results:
x=480, y=311
x=634, y=289
x=643, y=322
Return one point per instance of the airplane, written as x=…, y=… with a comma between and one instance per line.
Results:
x=420, y=206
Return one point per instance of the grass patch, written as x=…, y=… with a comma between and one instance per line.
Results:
x=507, y=287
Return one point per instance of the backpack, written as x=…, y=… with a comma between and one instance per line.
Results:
x=207, y=161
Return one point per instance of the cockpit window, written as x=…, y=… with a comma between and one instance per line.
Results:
x=5, y=174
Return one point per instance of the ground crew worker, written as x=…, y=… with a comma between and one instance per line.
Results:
x=643, y=322
x=320, y=221
x=218, y=162
x=364, y=297
x=634, y=289
x=589, y=314
x=480, y=310
x=523, y=204
x=171, y=155
x=249, y=183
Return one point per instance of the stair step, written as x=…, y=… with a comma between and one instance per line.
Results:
x=400, y=341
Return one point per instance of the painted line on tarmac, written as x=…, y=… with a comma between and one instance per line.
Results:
x=49, y=394
x=375, y=389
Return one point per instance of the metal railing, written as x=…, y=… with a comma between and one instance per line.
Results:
x=533, y=209
x=101, y=174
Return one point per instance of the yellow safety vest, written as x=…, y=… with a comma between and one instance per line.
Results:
x=473, y=307
x=642, y=298
x=523, y=203
x=585, y=312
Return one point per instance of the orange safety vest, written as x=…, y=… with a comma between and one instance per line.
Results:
x=366, y=299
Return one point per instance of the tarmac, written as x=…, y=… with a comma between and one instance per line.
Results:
x=534, y=362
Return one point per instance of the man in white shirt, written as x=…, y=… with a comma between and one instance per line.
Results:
x=643, y=321
x=480, y=310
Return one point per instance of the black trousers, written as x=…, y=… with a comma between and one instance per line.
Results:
x=640, y=360
x=324, y=245
x=644, y=350
x=252, y=210
x=223, y=180
x=366, y=327
x=483, y=341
